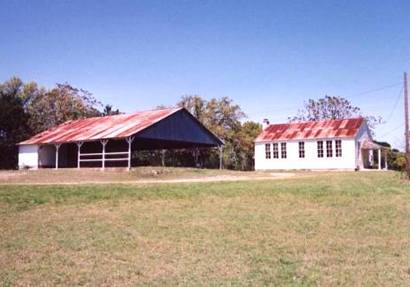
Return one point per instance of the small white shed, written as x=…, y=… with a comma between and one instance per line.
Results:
x=28, y=156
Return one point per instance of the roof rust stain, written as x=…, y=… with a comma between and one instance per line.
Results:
x=91, y=129
x=341, y=128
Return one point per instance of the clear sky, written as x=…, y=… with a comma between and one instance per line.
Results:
x=268, y=56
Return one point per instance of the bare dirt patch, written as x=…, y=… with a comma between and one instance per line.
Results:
x=8, y=175
x=144, y=175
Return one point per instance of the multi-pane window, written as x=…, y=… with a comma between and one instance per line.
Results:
x=338, y=144
x=320, y=149
x=267, y=151
x=275, y=150
x=283, y=150
x=301, y=149
x=329, y=148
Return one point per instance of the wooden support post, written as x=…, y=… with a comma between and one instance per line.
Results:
x=379, y=155
x=220, y=157
x=129, y=141
x=163, y=157
x=386, y=165
x=57, y=149
x=371, y=158
x=79, y=144
x=196, y=157
x=104, y=143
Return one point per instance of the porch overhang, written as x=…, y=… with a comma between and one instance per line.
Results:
x=371, y=145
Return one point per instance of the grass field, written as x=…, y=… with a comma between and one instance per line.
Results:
x=314, y=229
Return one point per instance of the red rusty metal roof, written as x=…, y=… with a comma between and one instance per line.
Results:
x=109, y=127
x=344, y=128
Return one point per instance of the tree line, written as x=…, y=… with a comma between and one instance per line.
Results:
x=28, y=108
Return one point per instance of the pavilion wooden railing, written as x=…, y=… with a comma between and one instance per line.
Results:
x=104, y=156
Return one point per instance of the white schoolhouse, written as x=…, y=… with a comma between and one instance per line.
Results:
x=343, y=144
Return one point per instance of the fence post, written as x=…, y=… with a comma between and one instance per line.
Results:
x=104, y=143
x=57, y=148
x=129, y=141
x=79, y=144
x=220, y=157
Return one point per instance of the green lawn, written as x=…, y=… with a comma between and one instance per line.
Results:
x=314, y=229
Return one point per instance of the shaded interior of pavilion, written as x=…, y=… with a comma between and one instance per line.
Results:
x=110, y=153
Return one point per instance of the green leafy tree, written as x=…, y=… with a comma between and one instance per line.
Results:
x=25, y=91
x=47, y=108
x=13, y=128
x=396, y=160
x=109, y=111
x=247, y=134
x=60, y=104
x=329, y=107
x=195, y=105
x=27, y=109
x=332, y=107
x=223, y=117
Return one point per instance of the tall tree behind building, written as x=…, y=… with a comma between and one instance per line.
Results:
x=331, y=108
x=27, y=109
x=60, y=104
x=109, y=111
x=13, y=128
x=223, y=117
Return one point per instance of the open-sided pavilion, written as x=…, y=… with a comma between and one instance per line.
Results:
x=110, y=140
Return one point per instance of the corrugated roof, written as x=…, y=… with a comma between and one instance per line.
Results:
x=109, y=127
x=344, y=128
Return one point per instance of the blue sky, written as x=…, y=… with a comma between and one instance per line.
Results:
x=268, y=56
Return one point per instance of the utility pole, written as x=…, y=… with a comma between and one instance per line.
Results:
x=406, y=124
